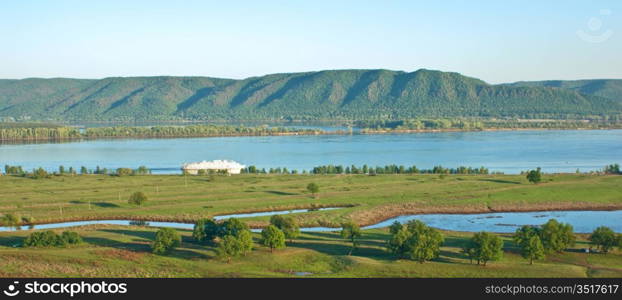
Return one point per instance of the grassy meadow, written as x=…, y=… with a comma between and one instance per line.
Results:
x=124, y=251
x=369, y=199
x=118, y=251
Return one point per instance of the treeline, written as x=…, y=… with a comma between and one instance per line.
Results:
x=466, y=124
x=39, y=173
x=188, y=131
x=369, y=170
x=414, y=240
x=15, y=133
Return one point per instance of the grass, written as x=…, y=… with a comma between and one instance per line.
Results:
x=118, y=251
x=370, y=198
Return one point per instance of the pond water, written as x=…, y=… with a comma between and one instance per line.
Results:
x=582, y=221
x=504, y=151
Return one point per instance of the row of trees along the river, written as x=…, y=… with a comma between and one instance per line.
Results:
x=475, y=124
x=13, y=133
x=413, y=240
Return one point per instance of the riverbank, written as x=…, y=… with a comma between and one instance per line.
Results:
x=34, y=134
x=366, y=199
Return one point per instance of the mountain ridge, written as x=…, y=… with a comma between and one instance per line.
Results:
x=326, y=94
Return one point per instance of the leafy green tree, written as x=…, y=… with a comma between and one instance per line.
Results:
x=137, y=198
x=83, y=170
x=273, y=237
x=395, y=227
x=166, y=240
x=313, y=188
x=416, y=241
x=229, y=247
x=351, y=231
x=604, y=238
x=246, y=239
x=556, y=236
x=124, y=171
x=198, y=232
x=51, y=239
x=528, y=240
x=232, y=226
x=40, y=173
x=534, y=176
x=286, y=224
x=485, y=247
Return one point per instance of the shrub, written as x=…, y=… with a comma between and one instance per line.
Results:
x=124, y=172
x=165, y=241
x=137, y=198
x=534, y=176
x=51, y=239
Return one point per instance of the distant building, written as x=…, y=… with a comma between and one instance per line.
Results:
x=213, y=166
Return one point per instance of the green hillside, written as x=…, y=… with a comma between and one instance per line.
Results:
x=607, y=88
x=323, y=95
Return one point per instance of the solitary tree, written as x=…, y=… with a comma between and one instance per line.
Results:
x=166, y=240
x=351, y=231
x=137, y=198
x=485, y=247
x=246, y=240
x=604, y=238
x=313, y=188
x=556, y=236
x=534, y=176
x=272, y=237
x=229, y=247
x=416, y=241
x=528, y=240
x=286, y=224
x=83, y=170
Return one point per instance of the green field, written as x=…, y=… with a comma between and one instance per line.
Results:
x=120, y=251
x=372, y=198
x=117, y=251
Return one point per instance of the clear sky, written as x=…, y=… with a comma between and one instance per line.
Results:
x=497, y=41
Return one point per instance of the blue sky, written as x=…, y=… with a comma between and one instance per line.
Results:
x=497, y=41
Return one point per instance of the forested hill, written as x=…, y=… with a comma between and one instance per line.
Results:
x=339, y=94
x=608, y=88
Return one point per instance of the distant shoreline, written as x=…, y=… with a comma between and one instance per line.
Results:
x=307, y=132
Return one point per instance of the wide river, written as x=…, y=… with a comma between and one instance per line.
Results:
x=505, y=151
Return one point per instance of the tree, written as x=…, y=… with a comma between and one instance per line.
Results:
x=351, y=231
x=124, y=171
x=556, y=236
x=313, y=188
x=485, y=247
x=528, y=240
x=604, y=238
x=83, y=170
x=137, y=198
x=273, y=237
x=286, y=224
x=534, y=176
x=232, y=226
x=416, y=241
x=166, y=240
x=229, y=246
x=198, y=232
x=246, y=240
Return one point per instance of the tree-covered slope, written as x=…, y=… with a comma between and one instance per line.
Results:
x=607, y=88
x=334, y=94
